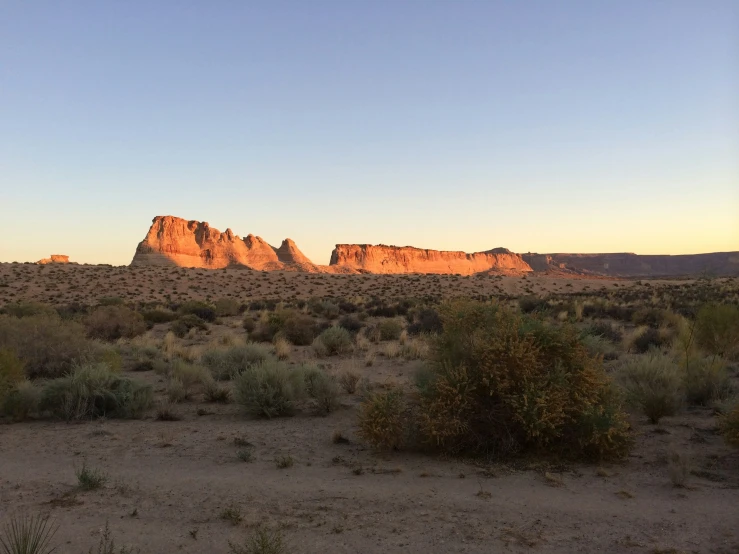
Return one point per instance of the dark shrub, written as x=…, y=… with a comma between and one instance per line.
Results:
x=717, y=329
x=27, y=309
x=183, y=325
x=350, y=323
x=650, y=338
x=201, y=309
x=226, y=307
x=156, y=315
x=530, y=304
x=114, y=322
x=606, y=330
x=426, y=321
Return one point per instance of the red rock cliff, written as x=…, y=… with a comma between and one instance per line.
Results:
x=406, y=259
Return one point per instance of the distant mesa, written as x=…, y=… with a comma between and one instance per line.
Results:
x=173, y=241
x=55, y=259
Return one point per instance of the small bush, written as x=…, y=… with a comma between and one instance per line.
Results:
x=28, y=309
x=270, y=389
x=11, y=372
x=94, y=391
x=90, y=479
x=262, y=541
x=530, y=304
x=390, y=329
x=202, y=310
x=155, y=316
x=282, y=348
x=599, y=346
x=646, y=340
x=226, y=363
x=348, y=381
x=706, y=380
x=284, y=461
x=189, y=375
x=227, y=307
x=107, y=544
x=322, y=388
x=730, y=426
x=382, y=420
x=182, y=326
x=427, y=321
x=605, y=330
x=654, y=384
x=334, y=340
x=114, y=322
x=351, y=323
x=717, y=329
x=28, y=535
x=21, y=401
x=679, y=465
x=217, y=393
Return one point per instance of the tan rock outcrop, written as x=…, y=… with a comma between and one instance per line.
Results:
x=175, y=241
x=407, y=259
x=55, y=259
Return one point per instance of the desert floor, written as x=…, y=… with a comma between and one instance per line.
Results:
x=169, y=482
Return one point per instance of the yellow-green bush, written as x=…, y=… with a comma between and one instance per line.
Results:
x=717, y=329
x=382, y=420
x=654, y=383
x=503, y=382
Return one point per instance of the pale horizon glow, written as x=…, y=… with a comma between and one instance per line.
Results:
x=550, y=127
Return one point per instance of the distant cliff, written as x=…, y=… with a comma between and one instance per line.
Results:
x=406, y=259
x=636, y=265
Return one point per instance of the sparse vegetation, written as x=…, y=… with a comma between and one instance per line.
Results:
x=262, y=541
x=28, y=535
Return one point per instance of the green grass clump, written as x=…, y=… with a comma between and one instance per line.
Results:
x=90, y=479
x=270, y=389
x=262, y=541
x=92, y=391
x=28, y=535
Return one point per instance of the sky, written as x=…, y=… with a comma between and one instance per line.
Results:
x=539, y=126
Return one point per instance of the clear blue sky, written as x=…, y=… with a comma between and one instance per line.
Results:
x=548, y=126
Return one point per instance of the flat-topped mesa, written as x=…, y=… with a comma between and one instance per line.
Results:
x=175, y=241
x=55, y=259
x=407, y=259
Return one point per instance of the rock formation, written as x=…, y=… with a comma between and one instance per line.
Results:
x=406, y=259
x=175, y=241
x=55, y=259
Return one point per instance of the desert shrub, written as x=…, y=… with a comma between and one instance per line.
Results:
x=189, y=375
x=334, y=340
x=158, y=315
x=21, y=401
x=182, y=326
x=382, y=420
x=111, y=301
x=114, y=322
x=348, y=381
x=248, y=323
x=707, y=380
x=653, y=317
x=282, y=347
x=654, y=384
x=299, y=329
x=501, y=382
x=717, y=329
x=605, y=330
x=262, y=541
x=730, y=426
x=216, y=393
x=90, y=479
x=204, y=311
x=28, y=535
x=649, y=338
x=426, y=321
x=322, y=388
x=225, y=363
x=351, y=323
x=74, y=310
x=28, y=309
x=175, y=390
x=598, y=346
x=270, y=389
x=390, y=329
x=92, y=391
x=530, y=304
x=11, y=372
x=47, y=345
x=226, y=307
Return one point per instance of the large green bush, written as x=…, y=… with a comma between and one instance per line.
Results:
x=717, y=329
x=92, y=391
x=501, y=382
x=114, y=322
x=334, y=340
x=47, y=345
x=654, y=383
x=270, y=389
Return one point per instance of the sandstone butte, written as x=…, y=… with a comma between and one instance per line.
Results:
x=177, y=242
x=55, y=259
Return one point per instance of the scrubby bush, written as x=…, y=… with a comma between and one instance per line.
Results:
x=426, y=321
x=298, y=328
x=47, y=345
x=530, y=304
x=334, y=340
x=717, y=329
x=348, y=381
x=322, y=388
x=270, y=389
x=605, y=330
x=114, y=322
x=28, y=309
x=158, y=315
x=11, y=372
x=730, y=426
x=502, y=382
x=598, y=346
x=225, y=363
x=189, y=375
x=204, y=311
x=382, y=420
x=653, y=383
x=21, y=401
x=390, y=329
x=647, y=339
x=182, y=326
x=226, y=307
x=351, y=323
x=92, y=391
x=706, y=380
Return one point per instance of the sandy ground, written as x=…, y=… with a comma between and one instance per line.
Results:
x=169, y=482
